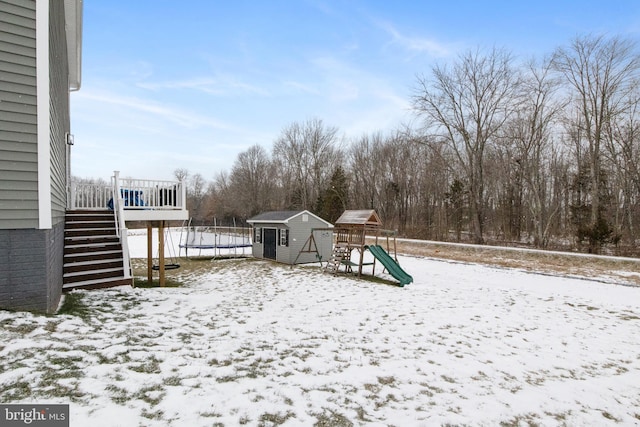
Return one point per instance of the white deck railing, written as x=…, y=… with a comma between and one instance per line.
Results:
x=137, y=194
x=90, y=196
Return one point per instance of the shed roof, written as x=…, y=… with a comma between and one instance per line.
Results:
x=282, y=217
x=359, y=217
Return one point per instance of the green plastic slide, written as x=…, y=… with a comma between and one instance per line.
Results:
x=390, y=264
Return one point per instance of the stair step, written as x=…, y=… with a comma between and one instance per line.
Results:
x=75, y=215
x=81, y=276
x=89, y=214
x=106, y=271
x=74, y=225
x=91, y=255
x=91, y=243
x=84, y=210
x=117, y=256
x=83, y=240
x=89, y=248
x=88, y=267
x=85, y=219
x=98, y=283
x=79, y=232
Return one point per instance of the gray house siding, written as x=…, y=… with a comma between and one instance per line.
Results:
x=59, y=122
x=18, y=126
x=31, y=258
x=283, y=253
x=300, y=232
x=256, y=245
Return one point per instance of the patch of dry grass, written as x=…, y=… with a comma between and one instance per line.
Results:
x=592, y=266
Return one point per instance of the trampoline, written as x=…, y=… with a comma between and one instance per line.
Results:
x=214, y=241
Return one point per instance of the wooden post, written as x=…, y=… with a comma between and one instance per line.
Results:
x=362, y=243
x=395, y=249
x=149, y=252
x=161, y=253
x=373, y=269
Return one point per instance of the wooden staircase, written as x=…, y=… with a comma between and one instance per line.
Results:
x=92, y=251
x=341, y=251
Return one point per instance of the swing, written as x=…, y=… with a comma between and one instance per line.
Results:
x=173, y=264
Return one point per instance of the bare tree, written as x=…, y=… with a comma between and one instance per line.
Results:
x=307, y=154
x=388, y=174
x=623, y=149
x=530, y=131
x=465, y=107
x=401, y=164
x=365, y=156
x=181, y=174
x=220, y=204
x=251, y=182
x=196, y=194
x=601, y=72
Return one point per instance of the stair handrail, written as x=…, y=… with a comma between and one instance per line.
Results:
x=121, y=227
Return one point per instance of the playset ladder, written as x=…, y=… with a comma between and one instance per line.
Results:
x=340, y=252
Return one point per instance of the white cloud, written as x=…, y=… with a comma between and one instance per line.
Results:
x=415, y=44
x=182, y=118
x=219, y=85
x=207, y=85
x=302, y=87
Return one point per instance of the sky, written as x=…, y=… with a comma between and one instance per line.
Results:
x=190, y=85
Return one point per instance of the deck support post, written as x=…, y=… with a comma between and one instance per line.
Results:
x=161, y=253
x=149, y=253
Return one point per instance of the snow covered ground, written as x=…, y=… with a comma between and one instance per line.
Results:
x=250, y=342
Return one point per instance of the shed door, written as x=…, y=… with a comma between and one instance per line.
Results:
x=269, y=243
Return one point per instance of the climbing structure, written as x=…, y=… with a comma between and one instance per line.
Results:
x=351, y=232
x=341, y=253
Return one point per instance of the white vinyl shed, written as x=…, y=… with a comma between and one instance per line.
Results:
x=285, y=236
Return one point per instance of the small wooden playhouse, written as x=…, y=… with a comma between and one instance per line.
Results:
x=351, y=231
x=284, y=236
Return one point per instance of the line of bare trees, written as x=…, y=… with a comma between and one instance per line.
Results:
x=545, y=152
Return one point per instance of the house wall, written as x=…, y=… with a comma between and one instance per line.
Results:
x=18, y=118
x=31, y=269
x=59, y=122
x=31, y=256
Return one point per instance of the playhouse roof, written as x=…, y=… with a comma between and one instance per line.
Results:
x=359, y=217
x=282, y=217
